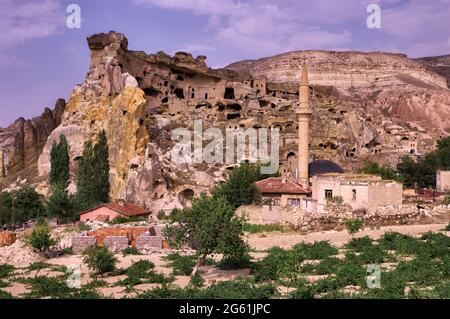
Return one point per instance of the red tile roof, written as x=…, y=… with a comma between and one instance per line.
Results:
x=126, y=209
x=280, y=185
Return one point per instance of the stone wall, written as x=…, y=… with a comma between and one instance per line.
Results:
x=80, y=243
x=116, y=243
x=131, y=232
x=443, y=181
x=148, y=242
x=385, y=194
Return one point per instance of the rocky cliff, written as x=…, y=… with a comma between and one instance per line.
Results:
x=387, y=83
x=438, y=64
x=22, y=142
x=366, y=106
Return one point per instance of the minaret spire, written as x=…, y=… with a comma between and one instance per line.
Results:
x=304, y=113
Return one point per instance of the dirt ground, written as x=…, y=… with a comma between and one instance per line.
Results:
x=261, y=242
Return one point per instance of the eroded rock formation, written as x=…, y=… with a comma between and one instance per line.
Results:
x=22, y=142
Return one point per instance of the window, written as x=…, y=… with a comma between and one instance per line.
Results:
x=276, y=201
x=353, y=194
x=328, y=194
x=294, y=201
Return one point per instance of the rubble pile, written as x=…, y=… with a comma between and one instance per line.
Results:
x=19, y=255
x=336, y=216
x=7, y=238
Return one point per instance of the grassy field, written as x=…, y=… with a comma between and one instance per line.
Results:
x=405, y=267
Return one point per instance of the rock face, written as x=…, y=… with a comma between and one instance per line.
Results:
x=365, y=106
x=22, y=142
x=438, y=64
x=388, y=83
x=346, y=71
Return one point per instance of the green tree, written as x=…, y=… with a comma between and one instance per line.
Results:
x=5, y=208
x=59, y=204
x=240, y=188
x=99, y=259
x=354, y=225
x=40, y=239
x=385, y=172
x=93, y=175
x=211, y=225
x=423, y=172
x=408, y=168
x=85, y=196
x=60, y=163
x=101, y=158
x=27, y=204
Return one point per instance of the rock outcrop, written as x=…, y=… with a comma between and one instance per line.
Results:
x=389, y=83
x=438, y=64
x=22, y=142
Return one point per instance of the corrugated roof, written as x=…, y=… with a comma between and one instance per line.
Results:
x=280, y=185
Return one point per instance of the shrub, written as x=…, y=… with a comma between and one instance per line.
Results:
x=354, y=225
x=447, y=200
x=4, y=284
x=142, y=272
x=360, y=244
x=317, y=250
x=42, y=286
x=5, y=270
x=38, y=266
x=5, y=295
x=99, y=259
x=197, y=280
x=369, y=255
x=253, y=229
x=235, y=262
x=303, y=292
x=420, y=270
x=350, y=273
x=67, y=251
x=338, y=200
x=40, y=238
x=123, y=220
x=238, y=289
x=182, y=265
x=402, y=243
x=268, y=267
x=161, y=215
x=84, y=227
x=327, y=266
x=448, y=226
x=130, y=251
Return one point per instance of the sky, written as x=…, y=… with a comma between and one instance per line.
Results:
x=41, y=59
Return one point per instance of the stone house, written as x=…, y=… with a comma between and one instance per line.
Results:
x=279, y=191
x=360, y=191
x=110, y=211
x=443, y=181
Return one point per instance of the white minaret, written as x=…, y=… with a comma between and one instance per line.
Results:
x=304, y=113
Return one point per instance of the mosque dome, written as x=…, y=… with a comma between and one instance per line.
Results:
x=323, y=167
